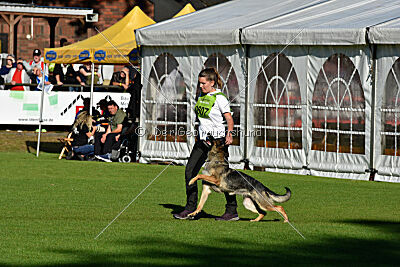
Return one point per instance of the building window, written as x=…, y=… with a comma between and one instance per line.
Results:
x=230, y=87
x=277, y=105
x=166, y=101
x=391, y=112
x=338, y=108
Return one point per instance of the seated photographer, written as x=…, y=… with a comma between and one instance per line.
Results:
x=104, y=142
x=83, y=131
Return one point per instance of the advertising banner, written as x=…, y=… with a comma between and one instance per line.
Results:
x=59, y=108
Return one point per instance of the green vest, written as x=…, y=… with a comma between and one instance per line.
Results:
x=204, y=105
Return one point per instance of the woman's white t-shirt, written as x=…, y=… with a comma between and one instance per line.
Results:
x=214, y=124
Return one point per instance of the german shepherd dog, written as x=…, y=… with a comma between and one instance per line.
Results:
x=218, y=176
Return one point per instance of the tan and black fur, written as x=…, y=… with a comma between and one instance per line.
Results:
x=219, y=177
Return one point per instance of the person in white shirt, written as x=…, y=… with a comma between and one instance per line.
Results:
x=211, y=109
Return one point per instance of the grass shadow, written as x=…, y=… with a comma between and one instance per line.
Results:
x=156, y=251
x=385, y=226
x=48, y=147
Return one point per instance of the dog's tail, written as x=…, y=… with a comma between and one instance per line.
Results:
x=279, y=198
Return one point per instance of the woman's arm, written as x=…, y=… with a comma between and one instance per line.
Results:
x=229, y=120
x=90, y=134
x=84, y=72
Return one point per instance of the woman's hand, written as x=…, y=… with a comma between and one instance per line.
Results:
x=228, y=138
x=229, y=120
x=103, y=138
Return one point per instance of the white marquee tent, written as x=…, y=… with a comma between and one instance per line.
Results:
x=314, y=85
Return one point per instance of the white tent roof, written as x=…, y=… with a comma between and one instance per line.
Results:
x=217, y=25
x=386, y=33
x=301, y=22
x=336, y=22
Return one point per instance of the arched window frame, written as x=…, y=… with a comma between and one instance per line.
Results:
x=339, y=109
x=392, y=131
x=166, y=130
x=291, y=107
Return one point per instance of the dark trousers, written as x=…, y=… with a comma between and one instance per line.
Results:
x=195, y=162
x=99, y=147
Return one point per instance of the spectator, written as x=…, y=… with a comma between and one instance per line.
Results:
x=121, y=78
x=85, y=73
x=63, y=42
x=39, y=80
x=104, y=142
x=36, y=62
x=83, y=131
x=98, y=80
x=10, y=63
x=134, y=89
x=65, y=73
x=18, y=75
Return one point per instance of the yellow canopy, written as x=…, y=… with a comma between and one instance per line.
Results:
x=186, y=10
x=121, y=40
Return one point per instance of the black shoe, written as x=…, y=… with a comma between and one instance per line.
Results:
x=91, y=158
x=228, y=217
x=80, y=157
x=70, y=155
x=184, y=215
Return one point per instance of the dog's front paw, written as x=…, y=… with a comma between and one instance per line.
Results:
x=192, y=181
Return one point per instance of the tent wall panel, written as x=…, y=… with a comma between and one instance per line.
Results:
x=343, y=97
x=277, y=79
x=190, y=61
x=387, y=116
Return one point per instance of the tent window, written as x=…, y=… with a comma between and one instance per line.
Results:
x=338, y=108
x=277, y=107
x=391, y=112
x=230, y=87
x=166, y=101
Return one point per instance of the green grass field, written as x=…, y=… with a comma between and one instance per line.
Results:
x=51, y=210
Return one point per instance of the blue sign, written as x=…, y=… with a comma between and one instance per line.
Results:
x=51, y=55
x=84, y=55
x=100, y=55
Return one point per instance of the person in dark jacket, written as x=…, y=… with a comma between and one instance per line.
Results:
x=65, y=73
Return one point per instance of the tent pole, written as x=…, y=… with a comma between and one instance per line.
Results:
x=91, y=90
x=41, y=110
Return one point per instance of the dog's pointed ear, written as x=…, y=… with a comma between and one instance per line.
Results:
x=221, y=143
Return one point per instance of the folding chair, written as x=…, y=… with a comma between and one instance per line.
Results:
x=67, y=144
